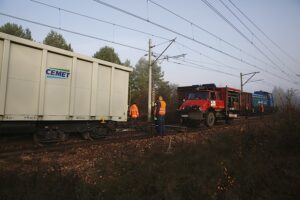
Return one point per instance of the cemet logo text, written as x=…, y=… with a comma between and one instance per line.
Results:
x=57, y=73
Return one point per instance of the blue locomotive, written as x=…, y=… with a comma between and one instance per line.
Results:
x=253, y=102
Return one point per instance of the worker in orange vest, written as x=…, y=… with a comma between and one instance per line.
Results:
x=160, y=112
x=262, y=109
x=134, y=114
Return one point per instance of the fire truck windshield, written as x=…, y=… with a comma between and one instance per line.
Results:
x=198, y=96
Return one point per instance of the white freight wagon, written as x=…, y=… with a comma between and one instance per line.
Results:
x=57, y=89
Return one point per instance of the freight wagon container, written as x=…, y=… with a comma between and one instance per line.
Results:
x=246, y=103
x=58, y=90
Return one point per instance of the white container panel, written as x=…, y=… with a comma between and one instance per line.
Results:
x=103, y=91
x=40, y=82
x=120, y=94
x=1, y=54
x=23, y=80
x=83, y=85
x=57, y=89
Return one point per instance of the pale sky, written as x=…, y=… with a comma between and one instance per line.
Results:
x=279, y=19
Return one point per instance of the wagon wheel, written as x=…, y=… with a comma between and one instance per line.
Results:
x=112, y=125
x=99, y=132
x=210, y=119
x=49, y=136
x=86, y=135
x=62, y=136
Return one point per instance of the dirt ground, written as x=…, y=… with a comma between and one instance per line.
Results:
x=225, y=161
x=84, y=161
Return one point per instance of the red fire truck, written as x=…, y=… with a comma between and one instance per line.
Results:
x=208, y=103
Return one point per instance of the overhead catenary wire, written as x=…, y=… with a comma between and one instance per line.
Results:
x=255, y=36
x=274, y=75
x=240, y=32
x=134, y=30
x=269, y=38
x=209, y=33
x=85, y=35
x=128, y=28
x=221, y=72
x=213, y=64
x=104, y=21
x=204, y=55
x=175, y=32
x=156, y=45
x=189, y=38
x=100, y=20
x=73, y=32
x=197, y=66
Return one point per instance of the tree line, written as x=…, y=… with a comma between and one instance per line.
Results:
x=138, y=79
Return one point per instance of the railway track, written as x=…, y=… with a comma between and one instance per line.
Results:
x=120, y=136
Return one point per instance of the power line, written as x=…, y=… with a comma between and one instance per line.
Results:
x=197, y=66
x=208, y=63
x=73, y=32
x=187, y=37
x=100, y=20
x=217, y=37
x=170, y=30
x=240, y=32
x=257, y=27
x=208, y=32
x=171, y=42
x=222, y=64
x=229, y=74
x=275, y=75
x=156, y=45
x=204, y=55
x=107, y=22
x=212, y=69
x=132, y=29
x=260, y=41
x=209, y=69
x=59, y=28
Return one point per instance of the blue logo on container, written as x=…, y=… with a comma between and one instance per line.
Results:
x=58, y=73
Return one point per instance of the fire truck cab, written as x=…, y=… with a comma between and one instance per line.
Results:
x=208, y=103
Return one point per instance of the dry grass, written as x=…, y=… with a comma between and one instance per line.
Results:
x=253, y=162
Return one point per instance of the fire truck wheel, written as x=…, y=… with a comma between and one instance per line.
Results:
x=210, y=119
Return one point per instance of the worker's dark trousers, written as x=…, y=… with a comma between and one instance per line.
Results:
x=161, y=125
x=133, y=122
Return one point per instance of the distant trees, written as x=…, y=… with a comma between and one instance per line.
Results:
x=108, y=54
x=57, y=40
x=285, y=99
x=279, y=96
x=16, y=30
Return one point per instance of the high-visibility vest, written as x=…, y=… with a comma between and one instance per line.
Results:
x=162, y=108
x=262, y=108
x=134, y=111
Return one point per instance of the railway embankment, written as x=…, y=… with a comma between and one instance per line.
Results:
x=246, y=161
